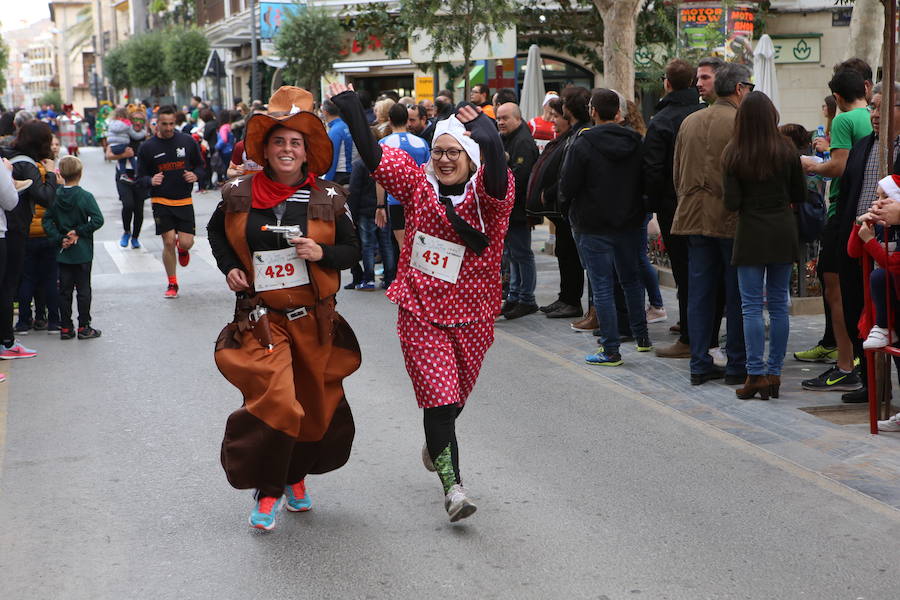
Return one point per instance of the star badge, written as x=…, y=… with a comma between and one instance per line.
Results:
x=235, y=183
x=331, y=192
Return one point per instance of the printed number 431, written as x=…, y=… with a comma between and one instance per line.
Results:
x=434, y=258
x=280, y=271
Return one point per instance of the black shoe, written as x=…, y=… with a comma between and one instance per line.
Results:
x=66, y=334
x=88, y=333
x=508, y=306
x=834, y=380
x=549, y=308
x=520, y=310
x=352, y=285
x=40, y=325
x=735, y=378
x=701, y=378
x=565, y=311
x=858, y=397
x=644, y=344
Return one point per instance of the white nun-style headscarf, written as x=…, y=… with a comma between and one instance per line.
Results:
x=455, y=129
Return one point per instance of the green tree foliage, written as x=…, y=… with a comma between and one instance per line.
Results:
x=458, y=25
x=376, y=22
x=574, y=28
x=186, y=51
x=4, y=62
x=52, y=97
x=115, y=67
x=310, y=42
x=146, y=60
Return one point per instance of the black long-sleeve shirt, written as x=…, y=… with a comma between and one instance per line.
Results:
x=172, y=157
x=342, y=255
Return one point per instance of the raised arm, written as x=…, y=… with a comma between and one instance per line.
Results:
x=484, y=133
x=352, y=112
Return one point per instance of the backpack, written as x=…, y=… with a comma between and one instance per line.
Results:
x=811, y=216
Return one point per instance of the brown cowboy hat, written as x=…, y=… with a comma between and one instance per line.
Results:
x=291, y=107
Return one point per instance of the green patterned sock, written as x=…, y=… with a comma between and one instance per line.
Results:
x=444, y=466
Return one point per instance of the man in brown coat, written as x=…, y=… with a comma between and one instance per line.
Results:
x=702, y=215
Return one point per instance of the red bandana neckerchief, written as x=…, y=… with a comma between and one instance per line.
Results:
x=267, y=193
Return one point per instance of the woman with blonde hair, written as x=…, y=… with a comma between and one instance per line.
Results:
x=382, y=124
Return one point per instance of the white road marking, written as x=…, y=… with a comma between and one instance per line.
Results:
x=129, y=260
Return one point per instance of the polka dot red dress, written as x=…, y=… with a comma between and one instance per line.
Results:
x=445, y=327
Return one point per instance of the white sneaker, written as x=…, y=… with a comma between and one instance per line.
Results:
x=878, y=338
x=426, y=459
x=458, y=504
x=718, y=356
x=892, y=424
x=656, y=315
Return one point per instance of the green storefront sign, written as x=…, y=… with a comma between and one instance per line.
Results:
x=799, y=48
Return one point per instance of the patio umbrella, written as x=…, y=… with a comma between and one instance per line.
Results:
x=532, y=100
x=764, y=69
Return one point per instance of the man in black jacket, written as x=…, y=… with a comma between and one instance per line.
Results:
x=602, y=177
x=522, y=153
x=857, y=193
x=682, y=99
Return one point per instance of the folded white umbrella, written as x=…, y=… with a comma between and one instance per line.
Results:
x=764, y=70
x=532, y=101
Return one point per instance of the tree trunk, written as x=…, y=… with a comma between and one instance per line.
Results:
x=619, y=29
x=888, y=126
x=866, y=29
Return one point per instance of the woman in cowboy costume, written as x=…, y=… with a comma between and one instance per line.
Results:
x=448, y=279
x=281, y=237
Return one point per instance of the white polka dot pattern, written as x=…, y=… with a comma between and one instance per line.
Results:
x=476, y=293
x=443, y=362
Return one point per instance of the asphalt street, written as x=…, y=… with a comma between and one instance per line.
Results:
x=586, y=485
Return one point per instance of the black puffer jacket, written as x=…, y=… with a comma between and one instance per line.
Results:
x=42, y=191
x=361, y=197
x=659, y=147
x=543, y=185
x=601, y=177
x=522, y=153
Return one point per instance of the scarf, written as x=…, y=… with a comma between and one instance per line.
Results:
x=475, y=240
x=268, y=193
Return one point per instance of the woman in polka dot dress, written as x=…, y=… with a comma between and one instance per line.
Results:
x=448, y=278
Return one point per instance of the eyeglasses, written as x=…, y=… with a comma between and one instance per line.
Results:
x=451, y=154
x=749, y=85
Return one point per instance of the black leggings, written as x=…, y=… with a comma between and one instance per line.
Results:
x=132, y=197
x=14, y=261
x=440, y=433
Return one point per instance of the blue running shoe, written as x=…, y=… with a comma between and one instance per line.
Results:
x=263, y=516
x=124, y=241
x=135, y=243
x=297, y=498
x=604, y=359
x=366, y=286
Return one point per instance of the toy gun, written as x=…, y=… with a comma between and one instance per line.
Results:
x=288, y=231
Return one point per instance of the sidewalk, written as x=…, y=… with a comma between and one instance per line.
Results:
x=847, y=453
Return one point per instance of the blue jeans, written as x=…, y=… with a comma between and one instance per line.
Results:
x=777, y=279
x=603, y=256
x=648, y=271
x=522, y=272
x=709, y=262
x=373, y=237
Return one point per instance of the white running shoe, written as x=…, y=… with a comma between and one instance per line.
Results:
x=426, y=459
x=892, y=424
x=878, y=338
x=458, y=504
x=718, y=356
x=656, y=315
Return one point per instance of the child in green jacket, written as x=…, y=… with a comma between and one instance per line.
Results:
x=70, y=223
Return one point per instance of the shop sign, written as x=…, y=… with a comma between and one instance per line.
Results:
x=424, y=88
x=798, y=49
x=494, y=47
x=841, y=17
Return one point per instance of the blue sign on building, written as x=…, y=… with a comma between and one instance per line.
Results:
x=273, y=14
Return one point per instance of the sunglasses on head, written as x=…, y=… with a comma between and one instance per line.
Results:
x=749, y=85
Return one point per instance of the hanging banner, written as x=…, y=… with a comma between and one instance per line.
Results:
x=273, y=14
x=726, y=31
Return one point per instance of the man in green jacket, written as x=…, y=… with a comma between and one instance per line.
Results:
x=70, y=223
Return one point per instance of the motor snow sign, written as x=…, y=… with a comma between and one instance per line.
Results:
x=798, y=48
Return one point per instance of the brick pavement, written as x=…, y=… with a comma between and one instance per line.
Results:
x=845, y=453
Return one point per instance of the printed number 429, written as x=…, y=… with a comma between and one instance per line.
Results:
x=434, y=258
x=280, y=271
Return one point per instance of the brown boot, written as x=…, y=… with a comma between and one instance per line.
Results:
x=677, y=350
x=588, y=323
x=774, y=385
x=754, y=384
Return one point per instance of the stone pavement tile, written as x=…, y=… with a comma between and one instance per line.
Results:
x=845, y=453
